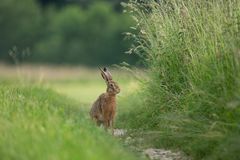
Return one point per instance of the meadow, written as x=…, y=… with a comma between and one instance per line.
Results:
x=45, y=115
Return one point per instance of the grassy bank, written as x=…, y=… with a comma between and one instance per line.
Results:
x=191, y=101
x=37, y=123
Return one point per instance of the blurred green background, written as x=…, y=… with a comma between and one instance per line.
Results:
x=86, y=32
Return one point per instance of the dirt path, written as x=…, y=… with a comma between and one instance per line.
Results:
x=151, y=153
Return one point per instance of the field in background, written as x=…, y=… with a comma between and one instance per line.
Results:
x=79, y=83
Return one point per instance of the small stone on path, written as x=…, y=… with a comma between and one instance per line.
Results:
x=119, y=132
x=161, y=154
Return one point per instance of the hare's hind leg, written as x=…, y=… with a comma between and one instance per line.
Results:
x=97, y=121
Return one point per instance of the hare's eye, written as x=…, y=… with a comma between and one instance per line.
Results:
x=111, y=85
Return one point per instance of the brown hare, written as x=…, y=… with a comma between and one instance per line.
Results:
x=104, y=108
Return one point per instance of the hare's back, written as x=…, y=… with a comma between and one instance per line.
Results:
x=96, y=109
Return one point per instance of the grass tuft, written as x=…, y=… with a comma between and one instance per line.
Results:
x=191, y=99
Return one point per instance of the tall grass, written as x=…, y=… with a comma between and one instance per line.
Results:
x=192, y=51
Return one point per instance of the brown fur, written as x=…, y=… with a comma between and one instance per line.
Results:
x=104, y=108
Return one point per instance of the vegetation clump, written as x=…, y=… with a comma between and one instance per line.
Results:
x=191, y=98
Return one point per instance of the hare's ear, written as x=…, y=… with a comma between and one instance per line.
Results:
x=103, y=74
x=106, y=75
